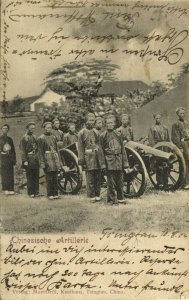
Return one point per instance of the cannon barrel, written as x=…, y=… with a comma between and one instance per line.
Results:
x=150, y=150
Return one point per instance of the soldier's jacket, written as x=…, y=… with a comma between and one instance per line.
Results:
x=158, y=133
x=114, y=151
x=180, y=136
x=69, y=139
x=49, y=158
x=46, y=117
x=7, y=151
x=127, y=133
x=90, y=151
x=28, y=147
x=180, y=131
x=100, y=131
x=59, y=135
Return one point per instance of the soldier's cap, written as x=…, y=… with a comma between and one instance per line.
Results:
x=90, y=115
x=46, y=123
x=29, y=124
x=6, y=125
x=110, y=117
x=99, y=118
x=71, y=124
x=55, y=120
x=62, y=118
x=156, y=114
x=179, y=109
x=124, y=115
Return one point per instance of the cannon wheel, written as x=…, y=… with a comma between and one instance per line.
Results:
x=69, y=178
x=177, y=168
x=135, y=182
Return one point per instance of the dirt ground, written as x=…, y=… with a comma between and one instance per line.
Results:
x=155, y=210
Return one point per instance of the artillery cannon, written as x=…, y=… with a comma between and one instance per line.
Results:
x=165, y=158
x=144, y=162
x=70, y=178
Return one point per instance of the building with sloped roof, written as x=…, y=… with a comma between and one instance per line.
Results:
x=120, y=88
x=47, y=98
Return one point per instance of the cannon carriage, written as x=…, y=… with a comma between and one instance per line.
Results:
x=144, y=162
x=70, y=177
x=164, y=158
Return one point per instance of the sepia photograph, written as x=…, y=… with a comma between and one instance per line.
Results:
x=85, y=144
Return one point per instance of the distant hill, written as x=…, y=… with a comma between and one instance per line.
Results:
x=166, y=104
x=120, y=88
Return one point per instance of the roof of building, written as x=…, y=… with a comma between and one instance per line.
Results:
x=48, y=97
x=120, y=88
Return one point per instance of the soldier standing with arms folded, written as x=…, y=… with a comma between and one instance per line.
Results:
x=8, y=161
x=91, y=157
x=159, y=133
x=30, y=162
x=180, y=137
x=116, y=161
x=49, y=160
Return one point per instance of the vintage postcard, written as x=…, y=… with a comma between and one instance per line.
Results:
x=94, y=149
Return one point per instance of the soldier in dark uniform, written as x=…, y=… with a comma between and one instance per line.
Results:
x=46, y=115
x=55, y=113
x=63, y=124
x=49, y=160
x=116, y=161
x=99, y=124
x=99, y=127
x=28, y=147
x=91, y=157
x=125, y=129
x=71, y=136
x=159, y=133
x=8, y=160
x=180, y=137
x=59, y=135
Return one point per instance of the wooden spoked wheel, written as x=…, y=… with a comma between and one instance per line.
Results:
x=136, y=180
x=70, y=176
x=173, y=171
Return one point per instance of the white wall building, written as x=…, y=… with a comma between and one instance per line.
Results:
x=47, y=98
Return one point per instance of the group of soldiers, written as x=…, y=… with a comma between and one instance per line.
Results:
x=36, y=153
x=101, y=147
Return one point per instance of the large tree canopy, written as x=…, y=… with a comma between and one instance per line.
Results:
x=82, y=79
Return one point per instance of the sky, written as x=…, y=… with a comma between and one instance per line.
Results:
x=27, y=72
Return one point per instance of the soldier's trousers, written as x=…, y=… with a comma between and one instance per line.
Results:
x=162, y=177
x=32, y=176
x=93, y=183
x=52, y=183
x=114, y=185
x=7, y=177
x=187, y=172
